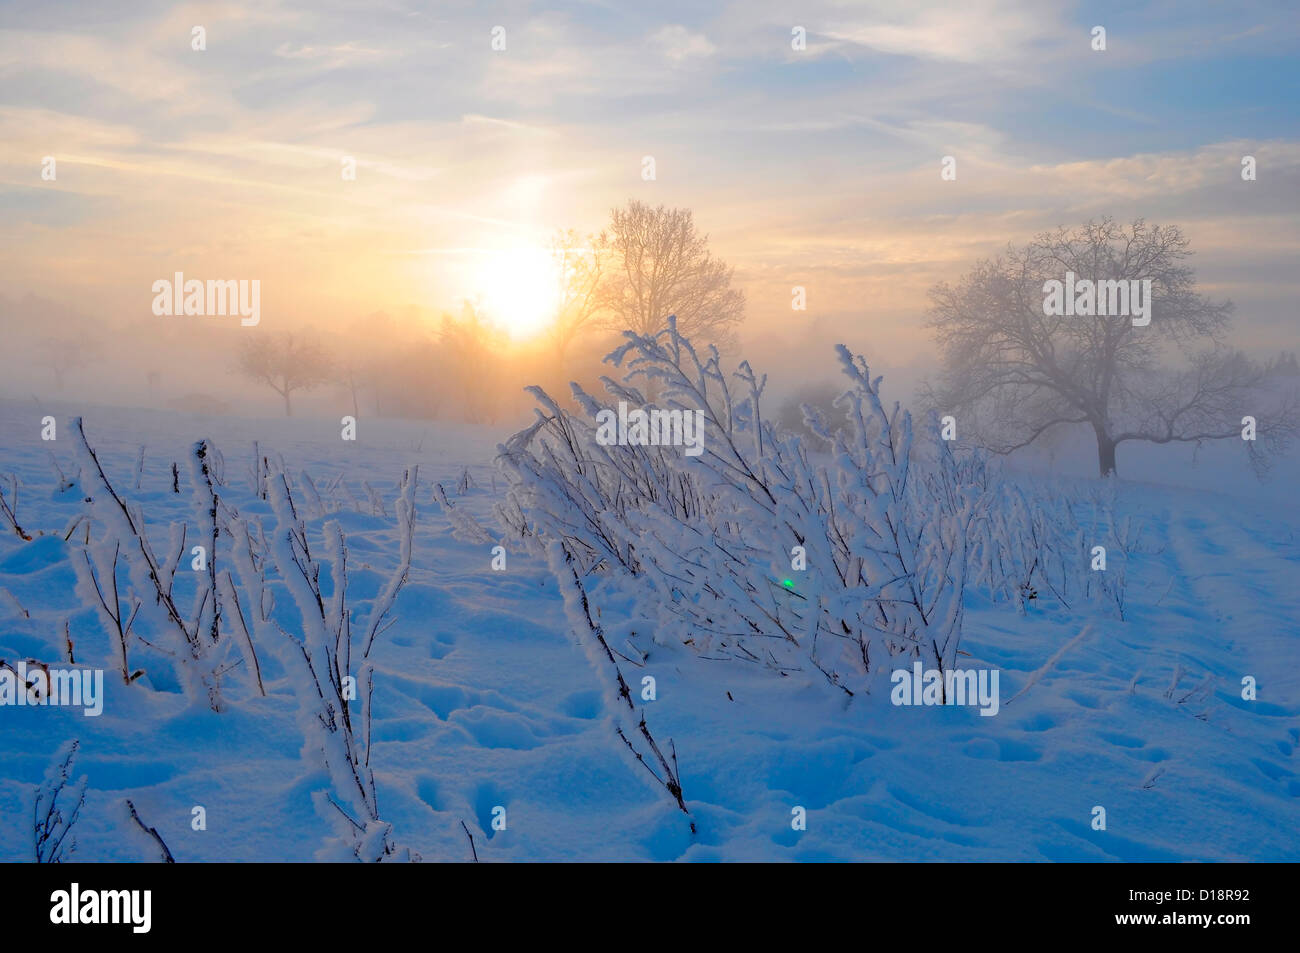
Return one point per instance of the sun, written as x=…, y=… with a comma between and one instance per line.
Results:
x=519, y=289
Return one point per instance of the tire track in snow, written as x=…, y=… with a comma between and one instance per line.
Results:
x=1242, y=583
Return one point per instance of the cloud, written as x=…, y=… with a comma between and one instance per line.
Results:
x=329, y=57
x=975, y=31
x=680, y=44
x=822, y=163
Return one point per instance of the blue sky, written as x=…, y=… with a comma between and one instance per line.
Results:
x=817, y=167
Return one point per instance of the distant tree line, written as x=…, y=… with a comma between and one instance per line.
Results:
x=649, y=263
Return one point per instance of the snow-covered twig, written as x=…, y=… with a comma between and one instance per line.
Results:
x=151, y=832
x=8, y=509
x=17, y=605
x=52, y=826
x=383, y=603
x=102, y=582
x=472, y=850
x=1049, y=664
x=585, y=627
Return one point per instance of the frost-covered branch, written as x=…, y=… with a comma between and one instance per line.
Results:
x=126, y=523
x=334, y=705
x=8, y=508
x=59, y=801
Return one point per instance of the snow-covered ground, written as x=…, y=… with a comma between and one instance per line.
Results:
x=484, y=700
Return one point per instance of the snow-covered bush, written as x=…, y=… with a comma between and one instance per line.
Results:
x=200, y=653
x=1035, y=541
x=756, y=549
x=316, y=647
x=334, y=704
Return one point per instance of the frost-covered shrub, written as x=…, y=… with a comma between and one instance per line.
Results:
x=197, y=646
x=1035, y=541
x=316, y=648
x=241, y=563
x=756, y=549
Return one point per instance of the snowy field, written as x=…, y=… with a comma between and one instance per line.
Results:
x=485, y=699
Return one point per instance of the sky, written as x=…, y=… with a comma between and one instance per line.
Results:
x=817, y=167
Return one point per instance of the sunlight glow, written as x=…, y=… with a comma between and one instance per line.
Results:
x=519, y=289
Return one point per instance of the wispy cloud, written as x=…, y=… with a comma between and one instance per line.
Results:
x=329, y=57
x=821, y=162
x=680, y=44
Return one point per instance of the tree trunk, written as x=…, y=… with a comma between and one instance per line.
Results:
x=288, y=407
x=1105, y=452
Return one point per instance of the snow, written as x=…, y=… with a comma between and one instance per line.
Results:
x=486, y=696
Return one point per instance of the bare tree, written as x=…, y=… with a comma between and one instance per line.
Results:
x=386, y=357
x=1013, y=372
x=471, y=350
x=285, y=364
x=581, y=265
x=67, y=351
x=660, y=265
